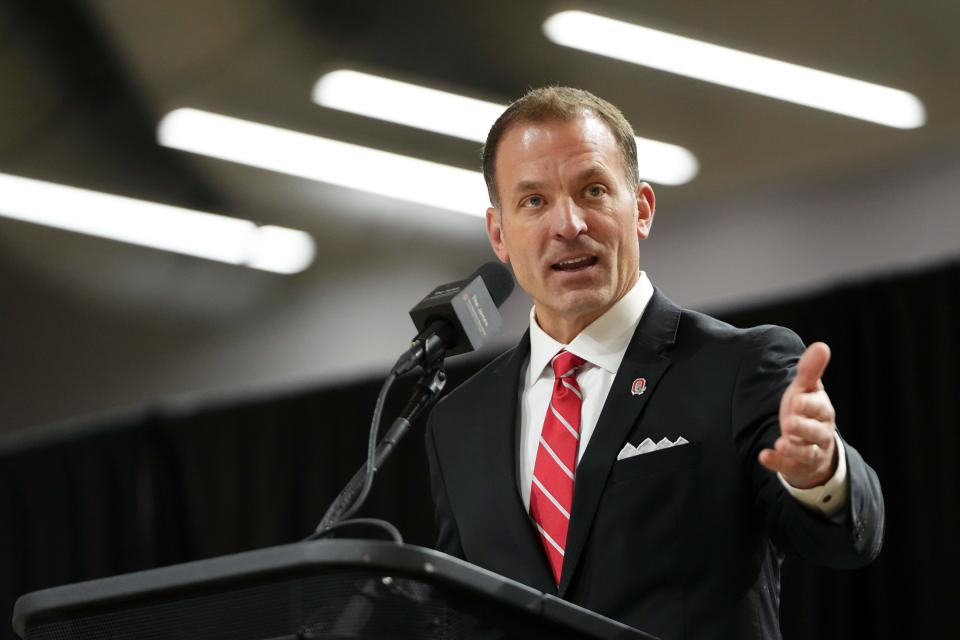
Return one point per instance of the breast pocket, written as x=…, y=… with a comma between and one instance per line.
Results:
x=656, y=462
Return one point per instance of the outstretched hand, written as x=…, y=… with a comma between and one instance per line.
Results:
x=806, y=451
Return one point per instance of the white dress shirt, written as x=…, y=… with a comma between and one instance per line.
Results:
x=602, y=345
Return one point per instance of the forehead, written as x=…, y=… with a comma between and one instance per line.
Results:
x=542, y=150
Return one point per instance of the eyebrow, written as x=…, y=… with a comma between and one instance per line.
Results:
x=536, y=185
x=593, y=171
x=528, y=185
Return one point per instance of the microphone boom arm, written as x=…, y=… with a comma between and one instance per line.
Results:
x=426, y=392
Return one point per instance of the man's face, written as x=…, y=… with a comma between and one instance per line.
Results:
x=569, y=223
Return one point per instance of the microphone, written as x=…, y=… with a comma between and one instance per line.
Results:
x=454, y=318
x=457, y=317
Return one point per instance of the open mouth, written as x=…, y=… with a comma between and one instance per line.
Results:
x=575, y=264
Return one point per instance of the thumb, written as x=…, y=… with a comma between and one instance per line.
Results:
x=812, y=364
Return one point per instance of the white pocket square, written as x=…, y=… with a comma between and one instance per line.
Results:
x=648, y=446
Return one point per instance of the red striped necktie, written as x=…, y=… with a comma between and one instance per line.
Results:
x=551, y=493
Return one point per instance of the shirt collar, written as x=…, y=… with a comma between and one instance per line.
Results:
x=602, y=343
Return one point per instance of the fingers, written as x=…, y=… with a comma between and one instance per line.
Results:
x=802, y=452
x=777, y=462
x=802, y=464
x=812, y=364
x=811, y=404
x=772, y=460
x=808, y=431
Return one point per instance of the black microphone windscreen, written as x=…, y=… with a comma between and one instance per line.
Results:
x=498, y=280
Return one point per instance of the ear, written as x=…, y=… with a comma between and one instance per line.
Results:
x=495, y=233
x=646, y=207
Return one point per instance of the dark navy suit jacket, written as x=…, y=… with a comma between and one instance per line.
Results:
x=681, y=543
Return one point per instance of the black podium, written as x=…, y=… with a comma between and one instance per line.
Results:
x=323, y=589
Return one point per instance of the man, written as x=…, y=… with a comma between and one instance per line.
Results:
x=644, y=461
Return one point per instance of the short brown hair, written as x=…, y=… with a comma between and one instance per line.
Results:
x=563, y=104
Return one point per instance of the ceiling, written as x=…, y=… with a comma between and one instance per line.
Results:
x=86, y=80
x=83, y=84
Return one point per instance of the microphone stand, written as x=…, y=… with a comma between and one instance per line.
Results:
x=425, y=394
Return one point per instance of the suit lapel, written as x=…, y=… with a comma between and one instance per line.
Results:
x=496, y=452
x=642, y=360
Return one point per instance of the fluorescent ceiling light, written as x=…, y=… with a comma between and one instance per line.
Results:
x=407, y=104
x=468, y=118
x=315, y=158
x=737, y=69
x=159, y=226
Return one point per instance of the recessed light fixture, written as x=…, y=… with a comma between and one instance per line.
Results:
x=315, y=158
x=468, y=118
x=737, y=69
x=159, y=226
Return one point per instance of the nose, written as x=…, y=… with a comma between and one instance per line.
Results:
x=568, y=220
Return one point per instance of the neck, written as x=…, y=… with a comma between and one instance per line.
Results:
x=564, y=330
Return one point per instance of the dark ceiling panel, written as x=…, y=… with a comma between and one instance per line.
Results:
x=85, y=87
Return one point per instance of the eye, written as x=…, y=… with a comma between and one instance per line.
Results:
x=531, y=202
x=595, y=191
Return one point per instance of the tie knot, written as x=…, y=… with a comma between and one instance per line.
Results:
x=565, y=364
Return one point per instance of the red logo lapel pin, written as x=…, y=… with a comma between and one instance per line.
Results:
x=639, y=386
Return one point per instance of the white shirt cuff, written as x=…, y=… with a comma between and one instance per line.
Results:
x=830, y=497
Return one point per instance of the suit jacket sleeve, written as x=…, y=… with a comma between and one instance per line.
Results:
x=448, y=539
x=767, y=367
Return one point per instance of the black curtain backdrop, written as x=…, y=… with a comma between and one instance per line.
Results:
x=176, y=483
